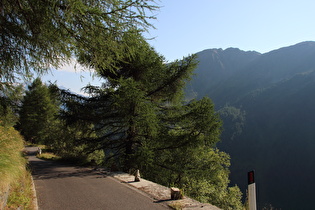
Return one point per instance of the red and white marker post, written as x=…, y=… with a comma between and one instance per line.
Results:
x=251, y=191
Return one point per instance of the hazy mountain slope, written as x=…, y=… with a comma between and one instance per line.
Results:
x=275, y=90
x=216, y=65
x=260, y=72
x=278, y=142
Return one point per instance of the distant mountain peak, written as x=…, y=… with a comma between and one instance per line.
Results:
x=234, y=49
x=305, y=43
x=227, y=50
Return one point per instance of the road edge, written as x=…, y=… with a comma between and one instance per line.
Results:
x=35, y=202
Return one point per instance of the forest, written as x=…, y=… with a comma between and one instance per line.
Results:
x=137, y=119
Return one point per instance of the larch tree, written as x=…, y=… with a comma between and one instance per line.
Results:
x=124, y=111
x=37, y=35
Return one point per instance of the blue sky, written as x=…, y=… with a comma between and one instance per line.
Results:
x=184, y=27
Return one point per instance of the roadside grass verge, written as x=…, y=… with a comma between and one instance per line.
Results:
x=15, y=181
x=21, y=194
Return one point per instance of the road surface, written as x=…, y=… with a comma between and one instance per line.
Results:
x=65, y=187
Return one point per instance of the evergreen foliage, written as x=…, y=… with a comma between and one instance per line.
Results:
x=10, y=101
x=37, y=114
x=184, y=155
x=234, y=121
x=124, y=111
x=38, y=35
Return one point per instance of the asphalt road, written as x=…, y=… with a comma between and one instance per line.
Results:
x=64, y=187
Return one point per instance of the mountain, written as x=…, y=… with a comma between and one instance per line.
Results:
x=216, y=65
x=267, y=105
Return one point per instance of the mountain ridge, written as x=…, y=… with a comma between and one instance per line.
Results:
x=214, y=59
x=211, y=83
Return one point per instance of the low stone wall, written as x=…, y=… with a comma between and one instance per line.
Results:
x=161, y=193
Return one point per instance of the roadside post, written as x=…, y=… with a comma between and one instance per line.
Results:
x=251, y=191
x=39, y=151
x=137, y=176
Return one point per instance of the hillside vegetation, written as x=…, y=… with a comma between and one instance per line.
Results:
x=15, y=182
x=267, y=105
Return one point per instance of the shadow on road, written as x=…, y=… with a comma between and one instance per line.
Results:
x=46, y=169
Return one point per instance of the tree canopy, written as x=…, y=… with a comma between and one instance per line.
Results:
x=38, y=35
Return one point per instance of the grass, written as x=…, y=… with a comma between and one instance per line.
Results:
x=15, y=178
x=21, y=194
x=11, y=161
x=176, y=205
x=48, y=156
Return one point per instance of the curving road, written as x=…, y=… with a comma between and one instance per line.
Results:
x=64, y=187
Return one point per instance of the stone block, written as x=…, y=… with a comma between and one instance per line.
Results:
x=176, y=194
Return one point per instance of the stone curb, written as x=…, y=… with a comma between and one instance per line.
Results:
x=161, y=193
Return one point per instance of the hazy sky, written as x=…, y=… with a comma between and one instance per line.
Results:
x=189, y=26
x=184, y=27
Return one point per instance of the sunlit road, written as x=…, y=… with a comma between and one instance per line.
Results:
x=65, y=187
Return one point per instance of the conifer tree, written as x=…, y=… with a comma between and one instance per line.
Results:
x=125, y=109
x=37, y=113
